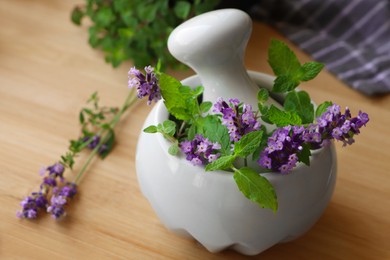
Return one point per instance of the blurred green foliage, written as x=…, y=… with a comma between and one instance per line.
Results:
x=136, y=30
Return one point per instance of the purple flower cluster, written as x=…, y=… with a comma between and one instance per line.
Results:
x=200, y=150
x=238, y=118
x=37, y=201
x=53, y=172
x=283, y=147
x=342, y=127
x=94, y=141
x=31, y=205
x=286, y=143
x=59, y=199
x=146, y=84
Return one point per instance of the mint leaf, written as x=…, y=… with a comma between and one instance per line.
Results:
x=285, y=83
x=182, y=9
x=262, y=95
x=211, y=128
x=300, y=103
x=173, y=149
x=282, y=59
x=77, y=15
x=287, y=69
x=283, y=118
x=311, y=70
x=248, y=143
x=151, y=129
x=222, y=163
x=198, y=91
x=205, y=106
x=322, y=108
x=169, y=127
x=172, y=97
x=256, y=188
x=181, y=101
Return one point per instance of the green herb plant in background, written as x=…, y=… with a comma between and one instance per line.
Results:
x=136, y=30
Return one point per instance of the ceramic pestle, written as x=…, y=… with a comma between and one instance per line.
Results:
x=213, y=45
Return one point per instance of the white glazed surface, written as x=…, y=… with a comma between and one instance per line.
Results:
x=208, y=205
x=213, y=45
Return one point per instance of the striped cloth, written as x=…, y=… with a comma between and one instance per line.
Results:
x=351, y=37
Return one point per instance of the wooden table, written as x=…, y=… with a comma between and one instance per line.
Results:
x=47, y=71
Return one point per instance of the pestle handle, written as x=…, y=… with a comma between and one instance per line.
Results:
x=213, y=45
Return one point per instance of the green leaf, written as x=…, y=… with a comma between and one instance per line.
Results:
x=105, y=126
x=77, y=15
x=322, y=108
x=169, y=127
x=256, y=188
x=205, y=106
x=300, y=102
x=173, y=149
x=248, y=143
x=198, y=91
x=211, y=128
x=285, y=65
x=104, y=16
x=147, y=12
x=173, y=99
x=285, y=83
x=191, y=132
x=282, y=59
x=182, y=9
x=126, y=33
x=222, y=163
x=311, y=70
x=262, y=95
x=283, y=118
x=151, y=129
x=81, y=117
x=204, y=6
x=94, y=39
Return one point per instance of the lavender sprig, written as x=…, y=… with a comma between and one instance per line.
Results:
x=238, y=118
x=55, y=192
x=145, y=84
x=286, y=144
x=200, y=150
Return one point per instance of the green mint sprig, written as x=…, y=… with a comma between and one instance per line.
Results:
x=288, y=70
x=253, y=185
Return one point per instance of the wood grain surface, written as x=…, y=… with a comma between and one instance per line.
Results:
x=47, y=72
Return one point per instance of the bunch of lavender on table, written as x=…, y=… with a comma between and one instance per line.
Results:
x=97, y=135
x=231, y=137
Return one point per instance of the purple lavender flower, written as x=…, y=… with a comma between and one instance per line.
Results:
x=283, y=147
x=239, y=119
x=60, y=198
x=95, y=142
x=55, y=170
x=334, y=125
x=37, y=201
x=200, y=150
x=31, y=205
x=146, y=84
